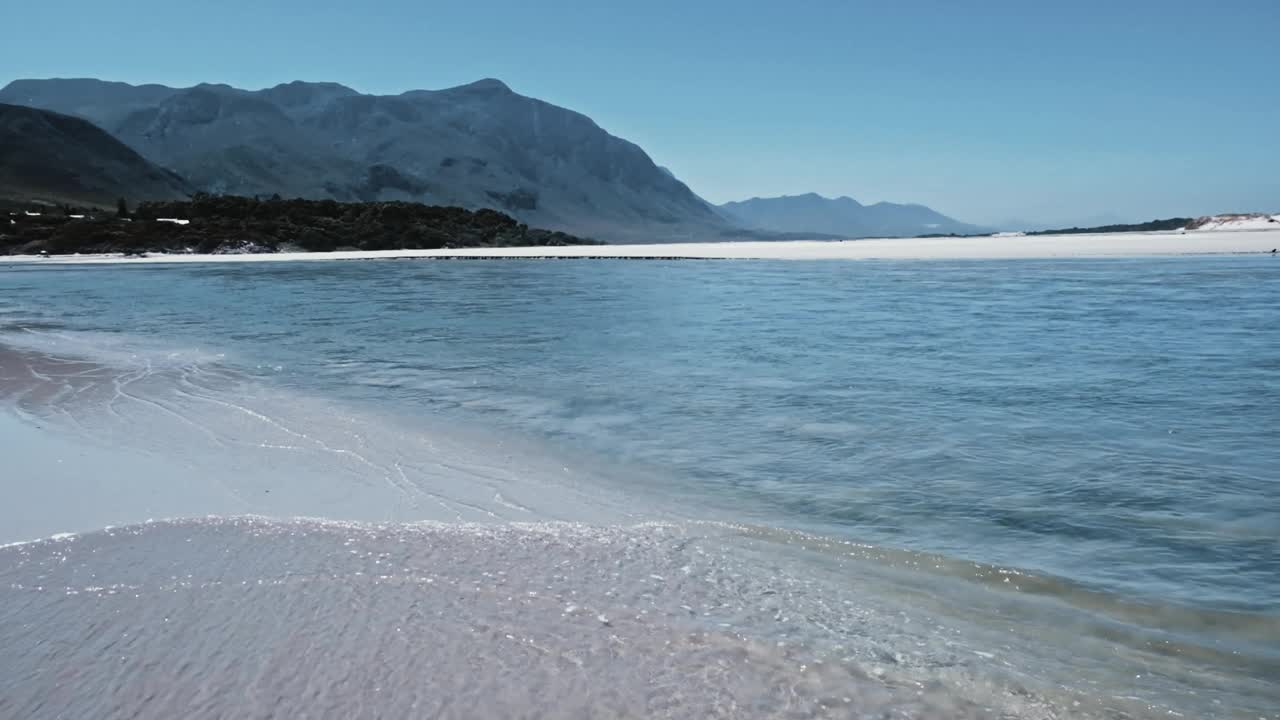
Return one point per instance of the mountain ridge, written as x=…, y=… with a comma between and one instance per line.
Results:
x=48, y=157
x=476, y=145
x=842, y=216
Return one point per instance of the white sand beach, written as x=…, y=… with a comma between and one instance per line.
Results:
x=1201, y=242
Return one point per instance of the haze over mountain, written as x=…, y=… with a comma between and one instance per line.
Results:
x=843, y=216
x=477, y=145
x=52, y=157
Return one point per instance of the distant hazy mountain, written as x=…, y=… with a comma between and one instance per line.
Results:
x=841, y=216
x=53, y=157
x=478, y=145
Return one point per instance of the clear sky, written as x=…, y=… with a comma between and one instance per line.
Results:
x=986, y=110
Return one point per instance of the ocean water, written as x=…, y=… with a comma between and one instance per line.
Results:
x=687, y=489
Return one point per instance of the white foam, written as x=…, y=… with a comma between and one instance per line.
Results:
x=146, y=438
x=115, y=349
x=56, y=537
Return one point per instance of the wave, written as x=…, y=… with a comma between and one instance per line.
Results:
x=1040, y=608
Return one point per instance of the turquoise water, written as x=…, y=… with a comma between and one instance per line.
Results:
x=1111, y=428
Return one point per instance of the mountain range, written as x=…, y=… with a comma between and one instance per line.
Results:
x=842, y=216
x=479, y=145
x=58, y=158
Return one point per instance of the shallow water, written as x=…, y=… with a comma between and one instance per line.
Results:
x=437, y=620
x=1068, y=467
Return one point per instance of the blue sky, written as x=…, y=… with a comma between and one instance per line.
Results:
x=986, y=110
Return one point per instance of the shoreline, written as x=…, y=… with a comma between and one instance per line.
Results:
x=1112, y=245
x=102, y=431
x=164, y=494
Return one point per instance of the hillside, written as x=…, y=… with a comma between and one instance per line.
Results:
x=51, y=157
x=477, y=146
x=843, y=216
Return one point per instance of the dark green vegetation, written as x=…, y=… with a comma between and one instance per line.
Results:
x=51, y=157
x=226, y=224
x=1152, y=226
